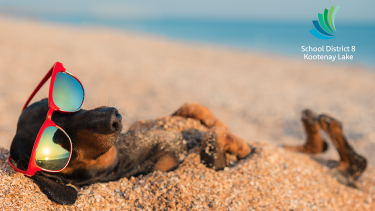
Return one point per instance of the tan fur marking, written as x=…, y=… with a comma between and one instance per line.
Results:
x=101, y=162
x=334, y=131
x=197, y=111
x=314, y=142
x=166, y=163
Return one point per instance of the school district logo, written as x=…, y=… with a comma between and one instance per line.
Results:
x=325, y=25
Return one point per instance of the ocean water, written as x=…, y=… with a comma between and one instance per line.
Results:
x=274, y=37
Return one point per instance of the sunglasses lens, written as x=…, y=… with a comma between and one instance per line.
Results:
x=53, y=150
x=67, y=92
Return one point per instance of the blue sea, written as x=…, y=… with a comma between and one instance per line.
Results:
x=273, y=36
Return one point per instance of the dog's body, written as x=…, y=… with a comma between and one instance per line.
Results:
x=145, y=147
x=100, y=153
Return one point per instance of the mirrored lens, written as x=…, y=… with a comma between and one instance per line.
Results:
x=67, y=92
x=53, y=150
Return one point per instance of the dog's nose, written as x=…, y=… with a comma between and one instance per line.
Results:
x=116, y=119
x=104, y=120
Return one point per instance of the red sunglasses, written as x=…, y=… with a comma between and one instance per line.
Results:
x=53, y=148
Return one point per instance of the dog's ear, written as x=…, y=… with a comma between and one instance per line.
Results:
x=55, y=190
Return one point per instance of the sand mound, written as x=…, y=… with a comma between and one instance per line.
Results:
x=271, y=178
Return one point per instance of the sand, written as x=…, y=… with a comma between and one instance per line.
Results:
x=259, y=96
x=270, y=179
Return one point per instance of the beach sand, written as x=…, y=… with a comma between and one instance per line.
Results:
x=259, y=96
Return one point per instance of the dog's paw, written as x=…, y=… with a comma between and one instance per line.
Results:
x=343, y=177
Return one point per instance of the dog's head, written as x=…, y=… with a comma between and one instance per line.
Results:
x=93, y=134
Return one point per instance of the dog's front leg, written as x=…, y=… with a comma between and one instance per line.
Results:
x=216, y=142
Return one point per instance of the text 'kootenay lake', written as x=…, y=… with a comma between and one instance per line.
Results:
x=324, y=52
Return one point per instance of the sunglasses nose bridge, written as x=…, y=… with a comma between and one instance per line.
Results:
x=49, y=114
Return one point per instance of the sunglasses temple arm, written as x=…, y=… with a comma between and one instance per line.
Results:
x=48, y=75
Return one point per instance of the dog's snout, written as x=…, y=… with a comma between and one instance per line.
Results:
x=106, y=120
x=116, y=119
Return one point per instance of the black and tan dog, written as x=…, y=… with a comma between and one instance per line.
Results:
x=101, y=153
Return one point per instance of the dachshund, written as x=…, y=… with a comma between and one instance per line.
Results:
x=102, y=153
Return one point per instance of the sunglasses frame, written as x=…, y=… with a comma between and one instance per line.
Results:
x=33, y=167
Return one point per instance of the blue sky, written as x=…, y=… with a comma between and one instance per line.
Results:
x=275, y=10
